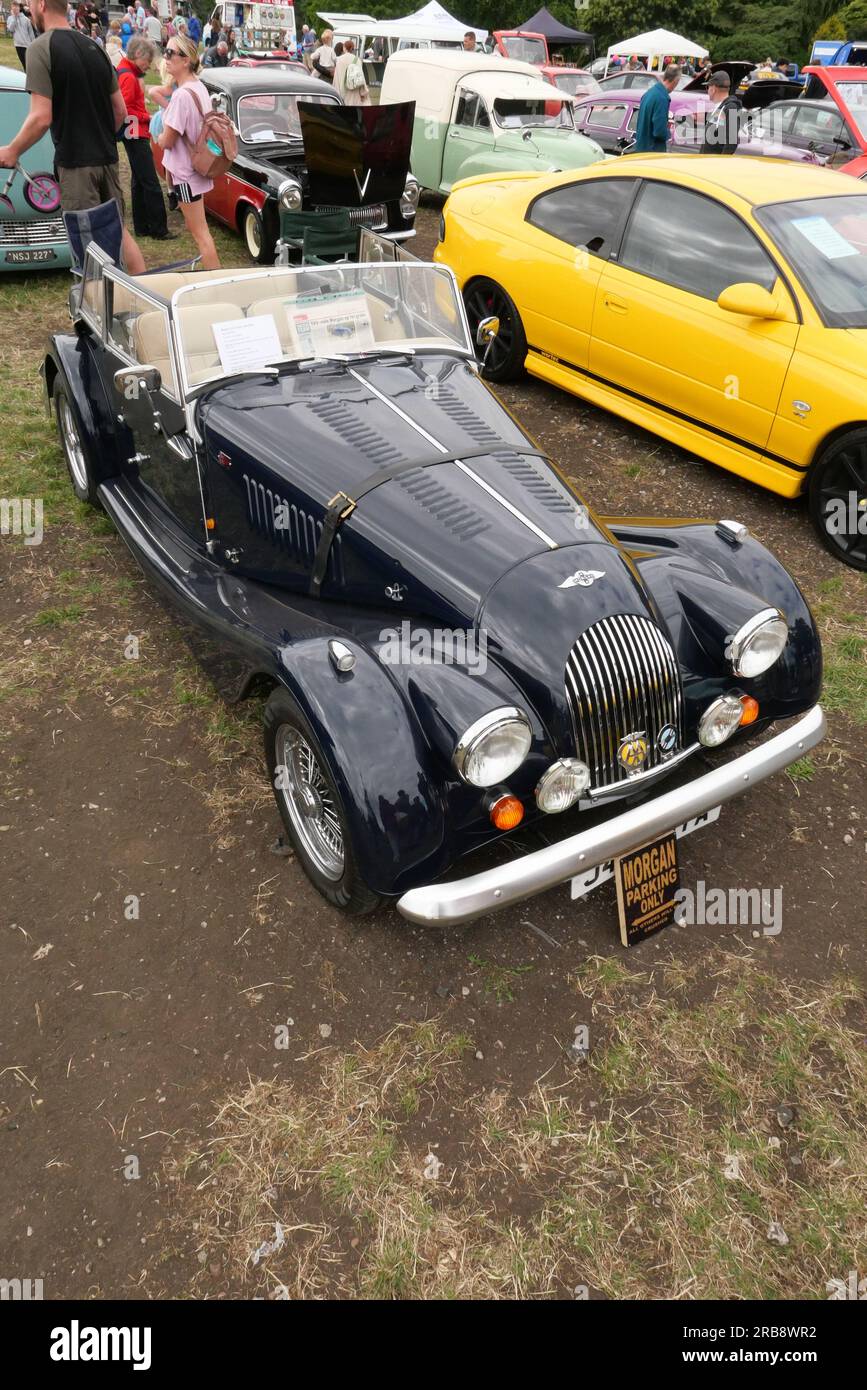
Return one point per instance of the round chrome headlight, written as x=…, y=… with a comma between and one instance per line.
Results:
x=758, y=643
x=289, y=196
x=494, y=747
x=720, y=720
x=409, y=199
x=563, y=783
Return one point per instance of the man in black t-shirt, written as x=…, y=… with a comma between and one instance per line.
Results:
x=74, y=93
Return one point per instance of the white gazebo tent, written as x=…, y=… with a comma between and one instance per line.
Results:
x=658, y=44
x=431, y=24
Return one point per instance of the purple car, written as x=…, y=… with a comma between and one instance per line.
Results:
x=611, y=120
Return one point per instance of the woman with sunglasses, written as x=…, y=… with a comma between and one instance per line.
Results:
x=182, y=124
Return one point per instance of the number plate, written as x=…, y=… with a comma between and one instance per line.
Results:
x=586, y=882
x=28, y=257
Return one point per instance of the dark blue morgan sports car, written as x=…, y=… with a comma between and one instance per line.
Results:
x=307, y=464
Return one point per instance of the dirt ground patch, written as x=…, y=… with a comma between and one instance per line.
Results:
x=194, y=1047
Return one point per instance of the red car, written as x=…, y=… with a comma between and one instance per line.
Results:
x=533, y=48
x=847, y=88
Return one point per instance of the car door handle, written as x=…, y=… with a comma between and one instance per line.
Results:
x=611, y=301
x=454, y=135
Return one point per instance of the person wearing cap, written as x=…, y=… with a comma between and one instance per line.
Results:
x=723, y=122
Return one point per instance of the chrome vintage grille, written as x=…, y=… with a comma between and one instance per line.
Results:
x=375, y=217
x=46, y=232
x=622, y=678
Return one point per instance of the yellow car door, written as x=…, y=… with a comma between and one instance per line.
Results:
x=569, y=233
x=659, y=334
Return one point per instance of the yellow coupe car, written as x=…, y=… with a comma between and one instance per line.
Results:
x=719, y=302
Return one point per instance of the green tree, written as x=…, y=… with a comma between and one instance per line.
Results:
x=854, y=19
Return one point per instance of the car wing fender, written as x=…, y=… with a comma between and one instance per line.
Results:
x=70, y=357
x=683, y=561
x=385, y=771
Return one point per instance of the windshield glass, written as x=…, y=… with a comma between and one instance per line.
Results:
x=577, y=84
x=237, y=324
x=514, y=112
x=855, y=96
x=527, y=50
x=272, y=116
x=825, y=239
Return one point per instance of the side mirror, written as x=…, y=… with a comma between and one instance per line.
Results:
x=752, y=301
x=130, y=382
x=135, y=385
x=487, y=331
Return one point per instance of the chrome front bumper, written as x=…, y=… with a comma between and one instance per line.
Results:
x=522, y=878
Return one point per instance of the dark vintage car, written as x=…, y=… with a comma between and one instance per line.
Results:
x=309, y=467
x=273, y=170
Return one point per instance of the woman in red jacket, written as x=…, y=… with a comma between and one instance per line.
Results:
x=148, y=208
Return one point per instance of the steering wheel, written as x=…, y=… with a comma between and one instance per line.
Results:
x=266, y=126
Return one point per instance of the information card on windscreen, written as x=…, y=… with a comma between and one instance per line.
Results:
x=328, y=323
x=245, y=344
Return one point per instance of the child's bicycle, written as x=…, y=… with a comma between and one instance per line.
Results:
x=41, y=191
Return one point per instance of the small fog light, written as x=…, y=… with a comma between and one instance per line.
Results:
x=562, y=785
x=720, y=720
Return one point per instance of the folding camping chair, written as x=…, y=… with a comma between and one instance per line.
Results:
x=103, y=225
x=321, y=237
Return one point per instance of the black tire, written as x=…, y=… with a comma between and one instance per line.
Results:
x=312, y=830
x=505, y=361
x=75, y=451
x=838, y=498
x=258, y=243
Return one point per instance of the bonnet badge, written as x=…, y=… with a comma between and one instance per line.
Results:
x=583, y=577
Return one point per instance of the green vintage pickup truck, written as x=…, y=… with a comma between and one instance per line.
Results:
x=482, y=114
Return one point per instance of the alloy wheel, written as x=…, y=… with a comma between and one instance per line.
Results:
x=486, y=301
x=841, y=503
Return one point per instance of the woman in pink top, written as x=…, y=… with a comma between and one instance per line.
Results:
x=182, y=124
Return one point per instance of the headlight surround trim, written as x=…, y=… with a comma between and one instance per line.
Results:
x=768, y=622
x=294, y=202
x=560, y=773
x=409, y=198
x=728, y=706
x=470, y=746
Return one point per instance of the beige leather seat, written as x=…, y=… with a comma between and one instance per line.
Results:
x=150, y=346
x=277, y=308
x=196, y=330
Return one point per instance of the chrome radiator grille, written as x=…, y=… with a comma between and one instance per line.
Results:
x=375, y=216
x=622, y=679
x=46, y=232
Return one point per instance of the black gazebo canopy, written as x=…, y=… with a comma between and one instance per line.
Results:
x=543, y=22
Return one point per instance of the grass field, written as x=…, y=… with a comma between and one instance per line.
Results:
x=711, y=1142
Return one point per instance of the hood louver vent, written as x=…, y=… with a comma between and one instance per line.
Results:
x=442, y=504
x=370, y=445
x=291, y=528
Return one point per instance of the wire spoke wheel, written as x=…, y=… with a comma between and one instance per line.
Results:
x=71, y=441
x=309, y=803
